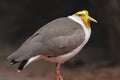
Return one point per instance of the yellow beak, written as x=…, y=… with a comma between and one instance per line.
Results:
x=92, y=19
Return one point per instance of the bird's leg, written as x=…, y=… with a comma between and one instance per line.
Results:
x=57, y=71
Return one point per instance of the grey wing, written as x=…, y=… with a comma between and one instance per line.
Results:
x=59, y=37
x=64, y=44
x=56, y=38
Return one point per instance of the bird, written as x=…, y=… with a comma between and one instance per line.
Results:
x=57, y=42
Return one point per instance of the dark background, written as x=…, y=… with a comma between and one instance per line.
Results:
x=19, y=19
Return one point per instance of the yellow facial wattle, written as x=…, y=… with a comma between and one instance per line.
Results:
x=84, y=15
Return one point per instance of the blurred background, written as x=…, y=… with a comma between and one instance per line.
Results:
x=100, y=58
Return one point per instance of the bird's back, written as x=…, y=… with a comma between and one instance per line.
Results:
x=55, y=38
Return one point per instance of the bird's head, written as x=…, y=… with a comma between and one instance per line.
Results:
x=84, y=15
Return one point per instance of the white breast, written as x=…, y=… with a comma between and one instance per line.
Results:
x=71, y=54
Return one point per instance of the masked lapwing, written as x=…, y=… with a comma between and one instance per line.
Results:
x=57, y=41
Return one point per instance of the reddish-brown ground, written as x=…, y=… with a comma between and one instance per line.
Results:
x=45, y=71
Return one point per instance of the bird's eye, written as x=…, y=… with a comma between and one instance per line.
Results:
x=81, y=14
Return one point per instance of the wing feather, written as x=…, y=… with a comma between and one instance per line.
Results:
x=55, y=38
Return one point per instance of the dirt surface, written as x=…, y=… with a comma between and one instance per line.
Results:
x=45, y=71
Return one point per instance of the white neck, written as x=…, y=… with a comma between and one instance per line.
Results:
x=79, y=21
